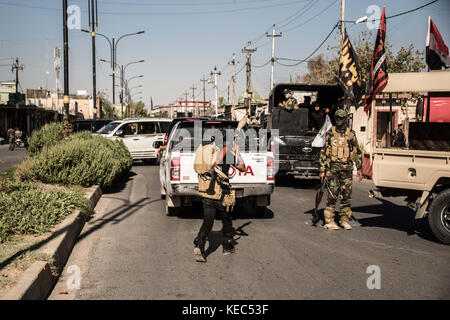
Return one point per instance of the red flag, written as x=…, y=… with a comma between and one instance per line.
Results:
x=437, y=52
x=378, y=70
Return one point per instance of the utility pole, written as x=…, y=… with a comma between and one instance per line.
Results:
x=342, y=22
x=16, y=66
x=193, y=88
x=66, y=59
x=204, y=93
x=186, y=100
x=228, y=91
x=273, y=36
x=93, y=25
x=215, y=73
x=121, y=89
x=113, y=67
x=233, y=78
x=249, y=51
x=57, y=66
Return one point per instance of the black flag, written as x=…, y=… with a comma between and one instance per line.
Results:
x=378, y=70
x=350, y=75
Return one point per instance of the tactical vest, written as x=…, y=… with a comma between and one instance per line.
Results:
x=211, y=188
x=338, y=148
x=290, y=103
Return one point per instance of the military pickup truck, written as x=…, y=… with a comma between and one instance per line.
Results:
x=421, y=171
x=296, y=156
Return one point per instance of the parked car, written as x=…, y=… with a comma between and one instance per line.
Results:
x=91, y=125
x=138, y=134
x=179, y=180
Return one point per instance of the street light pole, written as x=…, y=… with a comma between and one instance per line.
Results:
x=66, y=59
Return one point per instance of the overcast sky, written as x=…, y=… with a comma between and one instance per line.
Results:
x=185, y=39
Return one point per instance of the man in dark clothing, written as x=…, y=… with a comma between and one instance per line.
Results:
x=214, y=187
x=399, y=137
x=316, y=118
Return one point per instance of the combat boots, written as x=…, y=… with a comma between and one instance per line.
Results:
x=199, y=250
x=328, y=214
x=346, y=214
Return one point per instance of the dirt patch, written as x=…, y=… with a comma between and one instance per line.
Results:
x=16, y=256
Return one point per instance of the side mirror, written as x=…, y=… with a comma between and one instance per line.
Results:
x=119, y=133
x=157, y=144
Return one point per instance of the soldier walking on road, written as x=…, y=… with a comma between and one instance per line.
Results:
x=337, y=157
x=11, y=135
x=213, y=185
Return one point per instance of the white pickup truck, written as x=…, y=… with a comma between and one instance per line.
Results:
x=179, y=180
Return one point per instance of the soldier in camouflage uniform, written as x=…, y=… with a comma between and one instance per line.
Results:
x=11, y=135
x=290, y=103
x=337, y=157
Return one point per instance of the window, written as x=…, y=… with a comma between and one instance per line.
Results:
x=147, y=127
x=129, y=129
x=363, y=129
x=164, y=126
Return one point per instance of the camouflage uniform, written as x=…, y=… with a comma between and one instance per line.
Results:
x=290, y=102
x=336, y=160
x=11, y=135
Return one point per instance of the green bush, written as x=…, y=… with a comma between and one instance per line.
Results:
x=48, y=136
x=27, y=209
x=83, y=159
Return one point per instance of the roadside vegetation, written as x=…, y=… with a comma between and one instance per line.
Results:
x=47, y=186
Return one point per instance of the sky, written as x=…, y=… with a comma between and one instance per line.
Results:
x=186, y=39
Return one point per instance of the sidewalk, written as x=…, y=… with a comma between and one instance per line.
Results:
x=9, y=158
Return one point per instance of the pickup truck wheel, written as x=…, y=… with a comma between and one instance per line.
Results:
x=439, y=216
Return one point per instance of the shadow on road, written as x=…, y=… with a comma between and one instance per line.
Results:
x=291, y=182
x=241, y=211
x=117, y=215
x=390, y=216
x=215, y=238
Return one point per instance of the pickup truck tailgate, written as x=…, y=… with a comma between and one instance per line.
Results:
x=256, y=168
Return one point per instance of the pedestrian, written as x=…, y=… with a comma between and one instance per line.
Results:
x=212, y=165
x=11, y=134
x=399, y=137
x=337, y=157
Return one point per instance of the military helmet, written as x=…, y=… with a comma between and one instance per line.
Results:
x=341, y=113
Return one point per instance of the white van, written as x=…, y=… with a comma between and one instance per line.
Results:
x=138, y=134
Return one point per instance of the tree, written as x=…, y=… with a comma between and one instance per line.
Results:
x=138, y=109
x=107, y=108
x=321, y=70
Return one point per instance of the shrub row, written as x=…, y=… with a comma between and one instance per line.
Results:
x=27, y=209
x=46, y=137
x=83, y=159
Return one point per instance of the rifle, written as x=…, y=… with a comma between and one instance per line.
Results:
x=319, y=195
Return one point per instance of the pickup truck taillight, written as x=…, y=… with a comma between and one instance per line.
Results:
x=270, y=169
x=175, y=169
x=166, y=136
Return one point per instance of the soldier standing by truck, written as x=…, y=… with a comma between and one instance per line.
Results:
x=337, y=157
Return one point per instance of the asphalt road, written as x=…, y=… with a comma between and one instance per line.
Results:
x=9, y=158
x=132, y=250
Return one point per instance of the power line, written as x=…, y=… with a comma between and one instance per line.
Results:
x=309, y=56
x=401, y=13
x=159, y=13
x=179, y=4
x=298, y=13
x=312, y=18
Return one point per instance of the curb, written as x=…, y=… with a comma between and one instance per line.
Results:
x=38, y=280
